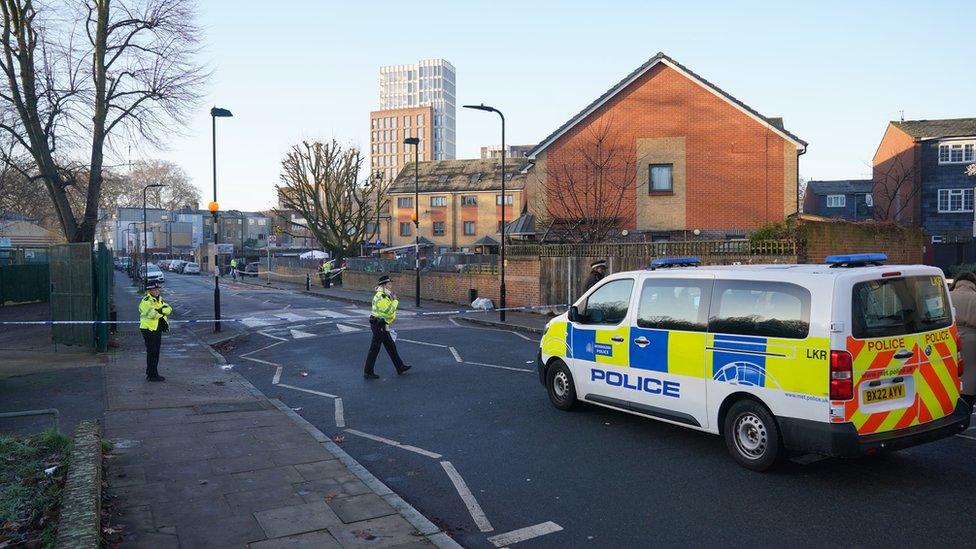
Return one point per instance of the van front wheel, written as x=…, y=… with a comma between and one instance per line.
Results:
x=751, y=435
x=559, y=383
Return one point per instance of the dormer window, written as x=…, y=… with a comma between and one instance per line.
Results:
x=957, y=152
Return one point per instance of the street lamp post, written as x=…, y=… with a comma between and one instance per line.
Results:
x=145, y=231
x=215, y=113
x=501, y=289
x=415, y=141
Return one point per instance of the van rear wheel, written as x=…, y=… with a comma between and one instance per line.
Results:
x=560, y=386
x=752, y=436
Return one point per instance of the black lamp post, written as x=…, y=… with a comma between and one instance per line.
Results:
x=501, y=289
x=145, y=231
x=216, y=113
x=415, y=141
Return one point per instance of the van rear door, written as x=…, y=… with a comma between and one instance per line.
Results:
x=903, y=347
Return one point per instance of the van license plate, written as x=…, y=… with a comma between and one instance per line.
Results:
x=881, y=394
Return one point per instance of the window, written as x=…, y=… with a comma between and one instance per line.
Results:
x=404, y=202
x=438, y=228
x=469, y=228
x=420, y=120
x=660, y=178
x=498, y=200
x=608, y=304
x=406, y=121
x=438, y=201
x=951, y=153
x=897, y=306
x=469, y=200
x=955, y=200
x=773, y=309
x=836, y=201
x=674, y=305
x=404, y=228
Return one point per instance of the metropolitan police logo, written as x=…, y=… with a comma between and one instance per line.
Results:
x=928, y=350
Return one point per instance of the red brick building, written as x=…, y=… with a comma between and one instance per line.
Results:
x=665, y=151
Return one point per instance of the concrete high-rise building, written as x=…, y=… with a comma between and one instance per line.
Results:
x=428, y=83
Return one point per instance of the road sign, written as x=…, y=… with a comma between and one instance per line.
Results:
x=272, y=239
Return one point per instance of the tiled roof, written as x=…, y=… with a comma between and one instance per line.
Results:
x=524, y=225
x=776, y=123
x=840, y=186
x=928, y=129
x=461, y=175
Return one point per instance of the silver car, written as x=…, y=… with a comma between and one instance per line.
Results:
x=191, y=268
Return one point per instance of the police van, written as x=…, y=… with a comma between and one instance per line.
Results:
x=847, y=358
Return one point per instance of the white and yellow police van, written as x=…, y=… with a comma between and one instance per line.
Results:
x=843, y=359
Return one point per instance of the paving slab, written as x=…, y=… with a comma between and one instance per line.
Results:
x=298, y=519
x=320, y=539
x=359, y=508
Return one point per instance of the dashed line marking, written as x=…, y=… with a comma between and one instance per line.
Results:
x=340, y=419
x=277, y=377
x=422, y=343
x=454, y=352
x=499, y=367
x=319, y=393
x=523, y=534
x=390, y=442
x=467, y=497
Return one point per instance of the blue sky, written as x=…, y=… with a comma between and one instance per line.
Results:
x=836, y=71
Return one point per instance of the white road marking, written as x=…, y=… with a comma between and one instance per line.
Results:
x=320, y=393
x=499, y=367
x=965, y=436
x=277, y=376
x=291, y=317
x=266, y=334
x=288, y=306
x=298, y=334
x=343, y=329
x=523, y=534
x=454, y=352
x=331, y=314
x=467, y=497
x=407, y=447
x=339, y=417
x=259, y=361
x=254, y=323
x=422, y=343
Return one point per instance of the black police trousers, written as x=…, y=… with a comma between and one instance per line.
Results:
x=154, y=340
x=381, y=337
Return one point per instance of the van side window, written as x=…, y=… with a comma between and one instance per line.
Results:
x=758, y=308
x=609, y=303
x=674, y=305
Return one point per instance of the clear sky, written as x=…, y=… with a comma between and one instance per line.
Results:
x=836, y=71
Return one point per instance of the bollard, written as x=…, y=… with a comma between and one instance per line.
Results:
x=308, y=282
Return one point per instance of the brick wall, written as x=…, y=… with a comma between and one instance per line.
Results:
x=727, y=154
x=819, y=239
x=521, y=284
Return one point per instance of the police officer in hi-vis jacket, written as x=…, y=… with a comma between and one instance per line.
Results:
x=153, y=312
x=385, y=304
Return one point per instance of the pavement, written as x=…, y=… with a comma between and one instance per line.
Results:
x=204, y=459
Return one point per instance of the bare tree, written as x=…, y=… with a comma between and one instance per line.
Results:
x=80, y=74
x=895, y=189
x=584, y=192
x=178, y=190
x=321, y=183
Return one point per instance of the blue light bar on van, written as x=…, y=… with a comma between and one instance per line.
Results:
x=663, y=262
x=854, y=260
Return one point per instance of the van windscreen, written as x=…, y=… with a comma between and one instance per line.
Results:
x=898, y=306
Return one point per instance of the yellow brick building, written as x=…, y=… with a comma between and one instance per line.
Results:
x=460, y=201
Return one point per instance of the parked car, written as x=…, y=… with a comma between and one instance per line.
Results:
x=163, y=264
x=152, y=274
x=190, y=268
x=122, y=263
x=251, y=269
x=176, y=265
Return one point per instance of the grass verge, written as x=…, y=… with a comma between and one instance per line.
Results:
x=30, y=497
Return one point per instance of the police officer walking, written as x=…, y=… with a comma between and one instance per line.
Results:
x=153, y=313
x=233, y=268
x=326, y=273
x=385, y=304
x=598, y=270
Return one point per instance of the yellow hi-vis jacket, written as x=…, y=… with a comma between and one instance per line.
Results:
x=385, y=306
x=151, y=310
x=327, y=267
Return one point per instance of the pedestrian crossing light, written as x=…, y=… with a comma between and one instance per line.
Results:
x=213, y=207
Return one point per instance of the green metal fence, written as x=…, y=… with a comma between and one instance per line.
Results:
x=23, y=283
x=72, y=293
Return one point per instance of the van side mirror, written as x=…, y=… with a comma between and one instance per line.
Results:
x=574, y=315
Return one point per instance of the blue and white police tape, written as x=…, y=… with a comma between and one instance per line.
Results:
x=263, y=318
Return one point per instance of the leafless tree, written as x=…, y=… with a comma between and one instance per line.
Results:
x=80, y=75
x=585, y=189
x=177, y=193
x=320, y=182
x=895, y=190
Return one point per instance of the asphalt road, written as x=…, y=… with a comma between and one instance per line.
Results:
x=472, y=410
